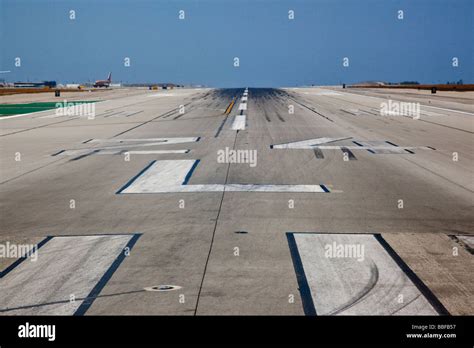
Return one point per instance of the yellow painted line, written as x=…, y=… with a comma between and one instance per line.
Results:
x=229, y=108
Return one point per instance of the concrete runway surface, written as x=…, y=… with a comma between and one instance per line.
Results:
x=299, y=201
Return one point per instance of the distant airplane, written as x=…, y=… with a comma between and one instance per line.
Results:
x=104, y=83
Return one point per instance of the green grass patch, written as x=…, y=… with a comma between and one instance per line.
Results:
x=17, y=109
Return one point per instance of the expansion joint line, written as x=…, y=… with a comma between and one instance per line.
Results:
x=213, y=233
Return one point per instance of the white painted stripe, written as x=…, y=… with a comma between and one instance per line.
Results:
x=422, y=105
x=227, y=188
x=151, y=152
x=165, y=140
x=162, y=95
x=347, y=286
x=273, y=188
x=168, y=176
x=239, y=122
x=119, y=152
x=310, y=143
x=350, y=147
x=322, y=93
x=129, y=146
x=366, y=145
x=451, y=110
x=28, y=114
x=38, y=113
x=243, y=106
x=468, y=240
x=165, y=174
x=65, y=266
x=324, y=147
x=244, y=98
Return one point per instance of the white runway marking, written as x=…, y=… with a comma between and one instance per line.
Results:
x=244, y=98
x=120, y=146
x=350, y=147
x=243, y=106
x=468, y=240
x=163, y=140
x=376, y=147
x=118, y=152
x=307, y=144
x=37, y=113
x=170, y=176
x=162, y=95
x=353, y=274
x=239, y=122
x=151, y=152
x=65, y=266
x=322, y=93
x=422, y=105
x=450, y=110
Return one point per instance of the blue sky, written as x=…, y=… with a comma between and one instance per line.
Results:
x=273, y=50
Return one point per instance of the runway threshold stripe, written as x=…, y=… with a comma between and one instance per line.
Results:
x=440, y=308
x=303, y=286
x=190, y=173
x=85, y=305
x=136, y=177
x=65, y=266
x=357, y=274
x=466, y=241
x=23, y=258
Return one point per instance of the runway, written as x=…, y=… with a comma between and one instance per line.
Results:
x=233, y=237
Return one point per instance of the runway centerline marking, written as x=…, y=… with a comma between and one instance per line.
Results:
x=239, y=122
